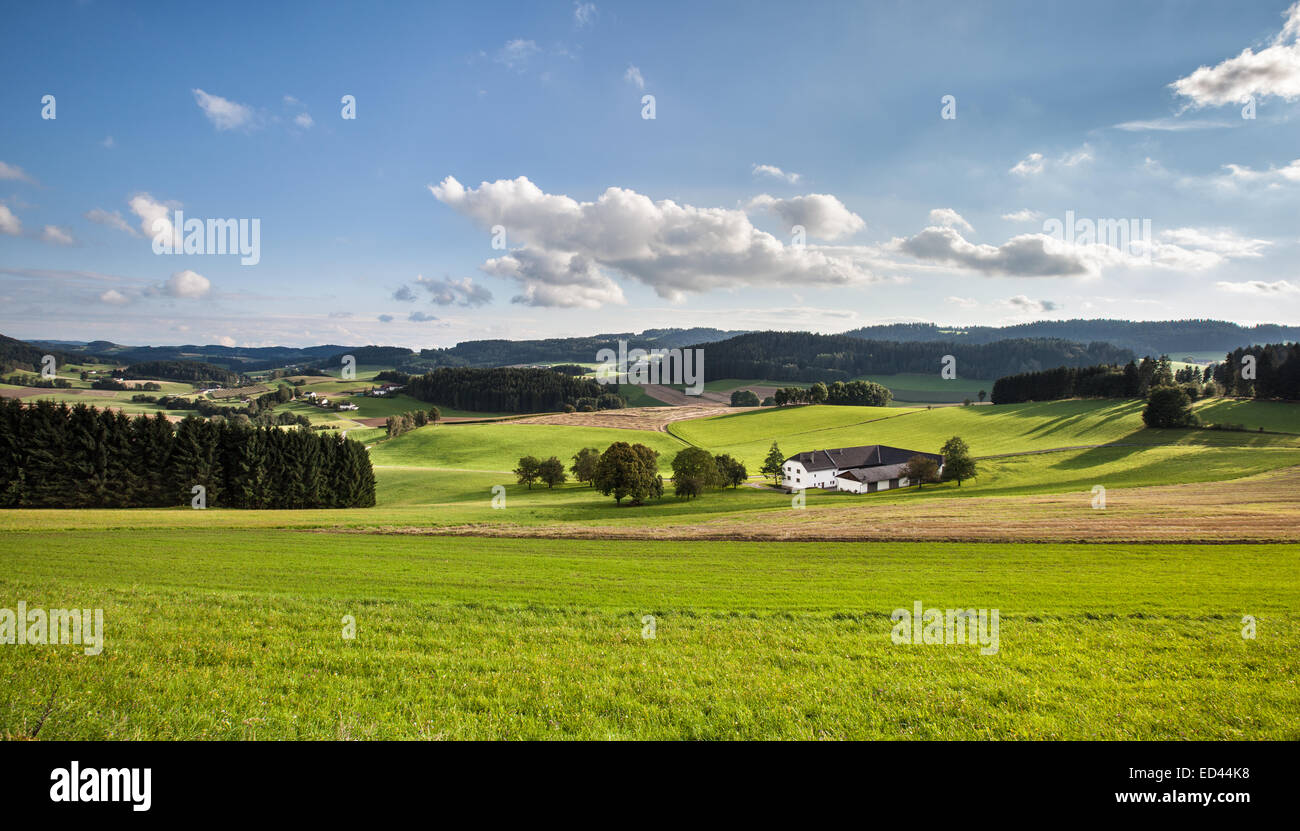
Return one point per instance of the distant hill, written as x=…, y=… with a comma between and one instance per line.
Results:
x=20, y=355
x=486, y=353
x=235, y=358
x=804, y=356
x=1155, y=338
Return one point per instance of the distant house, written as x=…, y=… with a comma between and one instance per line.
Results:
x=348, y=407
x=865, y=469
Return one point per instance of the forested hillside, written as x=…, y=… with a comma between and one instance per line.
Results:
x=504, y=390
x=1144, y=337
x=803, y=356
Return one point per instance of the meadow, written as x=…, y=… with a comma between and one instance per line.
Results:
x=209, y=637
x=226, y=624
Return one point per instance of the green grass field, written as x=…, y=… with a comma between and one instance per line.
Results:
x=226, y=624
x=209, y=637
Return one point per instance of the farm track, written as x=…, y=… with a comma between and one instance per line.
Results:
x=1258, y=509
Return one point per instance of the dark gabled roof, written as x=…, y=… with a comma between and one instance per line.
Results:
x=867, y=455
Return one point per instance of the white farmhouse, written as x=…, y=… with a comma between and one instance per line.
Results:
x=865, y=469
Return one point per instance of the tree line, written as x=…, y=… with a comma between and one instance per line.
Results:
x=1275, y=371
x=55, y=456
x=400, y=423
x=804, y=356
x=853, y=393
x=194, y=372
x=506, y=389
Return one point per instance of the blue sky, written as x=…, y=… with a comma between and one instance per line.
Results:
x=767, y=116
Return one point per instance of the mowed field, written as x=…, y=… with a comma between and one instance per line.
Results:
x=768, y=621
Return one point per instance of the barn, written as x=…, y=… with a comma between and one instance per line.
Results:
x=865, y=469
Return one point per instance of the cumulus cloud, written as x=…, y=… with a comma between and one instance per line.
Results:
x=822, y=215
x=303, y=120
x=516, y=53
x=185, y=285
x=111, y=219
x=1027, y=255
x=1273, y=70
x=775, y=172
x=14, y=173
x=222, y=112
x=385, y=318
x=1260, y=288
x=404, y=294
x=949, y=218
x=155, y=218
x=420, y=317
x=964, y=302
x=9, y=223
x=55, y=235
x=226, y=340
x=571, y=247
x=447, y=291
x=633, y=76
x=113, y=297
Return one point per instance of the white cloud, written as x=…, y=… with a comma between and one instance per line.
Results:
x=1172, y=125
x=1031, y=165
x=14, y=173
x=584, y=14
x=964, y=302
x=949, y=218
x=111, y=219
x=571, y=247
x=223, y=113
x=155, y=218
x=1260, y=288
x=226, y=340
x=113, y=297
x=1035, y=163
x=303, y=120
x=1273, y=70
x=1221, y=241
x=516, y=53
x=822, y=215
x=447, y=291
x=775, y=172
x=1024, y=215
x=55, y=235
x=108, y=143
x=1028, y=255
x=9, y=223
x=633, y=76
x=185, y=284
x=1273, y=177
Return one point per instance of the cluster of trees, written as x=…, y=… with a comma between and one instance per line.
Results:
x=405, y=422
x=803, y=356
x=1276, y=371
x=549, y=472
x=744, y=398
x=632, y=471
x=696, y=469
x=39, y=382
x=194, y=372
x=1132, y=380
x=54, y=456
x=853, y=393
x=503, y=389
x=116, y=384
